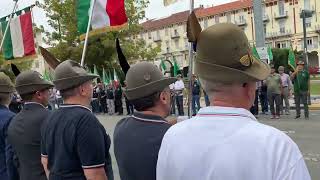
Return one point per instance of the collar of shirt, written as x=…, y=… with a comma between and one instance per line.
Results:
x=27, y=104
x=3, y=107
x=148, y=118
x=74, y=106
x=219, y=111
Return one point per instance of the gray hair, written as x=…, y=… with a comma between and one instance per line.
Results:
x=213, y=87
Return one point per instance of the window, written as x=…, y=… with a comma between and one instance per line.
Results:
x=158, y=34
x=309, y=42
x=216, y=19
x=205, y=23
x=308, y=22
x=241, y=19
x=186, y=43
x=307, y=5
x=166, y=31
x=149, y=35
x=176, y=43
x=282, y=26
x=281, y=7
x=229, y=18
x=265, y=29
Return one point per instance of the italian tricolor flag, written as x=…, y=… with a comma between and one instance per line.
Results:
x=19, y=40
x=107, y=15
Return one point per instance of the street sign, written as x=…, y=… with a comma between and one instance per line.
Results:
x=263, y=53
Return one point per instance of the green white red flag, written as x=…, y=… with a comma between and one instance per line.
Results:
x=107, y=15
x=19, y=40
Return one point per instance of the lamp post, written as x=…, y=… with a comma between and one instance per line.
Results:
x=305, y=14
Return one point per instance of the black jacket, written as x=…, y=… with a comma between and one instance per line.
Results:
x=25, y=137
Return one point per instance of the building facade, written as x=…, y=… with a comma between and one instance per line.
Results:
x=282, y=25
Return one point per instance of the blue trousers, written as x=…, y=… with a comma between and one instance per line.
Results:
x=179, y=101
x=195, y=102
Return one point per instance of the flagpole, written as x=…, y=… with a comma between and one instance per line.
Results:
x=190, y=68
x=87, y=34
x=11, y=15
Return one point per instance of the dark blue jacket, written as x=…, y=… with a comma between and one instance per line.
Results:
x=7, y=169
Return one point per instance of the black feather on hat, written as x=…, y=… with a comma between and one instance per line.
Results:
x=15, y=70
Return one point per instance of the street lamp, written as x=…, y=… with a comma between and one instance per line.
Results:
x=305, y=14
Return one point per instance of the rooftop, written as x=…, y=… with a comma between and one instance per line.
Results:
x=182, y=17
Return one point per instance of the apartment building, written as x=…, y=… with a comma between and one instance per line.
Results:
x=282, y=25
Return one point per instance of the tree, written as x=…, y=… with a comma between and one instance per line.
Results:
x=101, y=48
x=6, y=68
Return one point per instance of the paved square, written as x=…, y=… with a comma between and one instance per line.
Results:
x=306, y=133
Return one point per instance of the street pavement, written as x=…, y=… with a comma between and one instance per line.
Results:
x=306, y=133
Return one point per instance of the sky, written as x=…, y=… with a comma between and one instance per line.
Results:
x=155, y=9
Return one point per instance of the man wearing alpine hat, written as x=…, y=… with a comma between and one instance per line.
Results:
x=225, y=141
x=74, y=144
x=137, y=138
x=7, y=165
x=24, y=131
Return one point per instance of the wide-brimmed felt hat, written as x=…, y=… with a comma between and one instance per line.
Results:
x=6, y=85
x=144, y=79
x=224, y=55
x=28, y=82
x=70, y=74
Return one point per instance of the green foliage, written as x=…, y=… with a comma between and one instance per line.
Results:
x=101, y=48
x=280, y=58
x=6, y=68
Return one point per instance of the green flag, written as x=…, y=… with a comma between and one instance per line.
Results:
x=163, y=65
x=47, y=75
x=105, y=77
x=255, y=52
x=291, y=59
x=95, y=71
x=176, y=67
x=270, y=54
x=115, y=77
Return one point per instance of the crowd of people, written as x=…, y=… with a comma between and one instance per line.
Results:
x=222, y=141
x=275, y=92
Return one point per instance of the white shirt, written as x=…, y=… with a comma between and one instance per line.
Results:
x=179, y=87
x=223, y=143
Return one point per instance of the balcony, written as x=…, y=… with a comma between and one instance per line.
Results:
x=272, y=35
x=157, y=39
x=317, y=28
x=241, y=23
x=266, y=18
x=281, y=15
x=175, y=35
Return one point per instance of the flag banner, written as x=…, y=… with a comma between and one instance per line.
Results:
x=115, y=76
x=169, y=2
x=255, y=52
x=163, y=66
x=105, y=78
x=176, y=67
x=193, y=28
x=95, y=70
x=48, y=75
x=19, y=40
x=291, y=59
x=270, y=54
x=108, y=15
